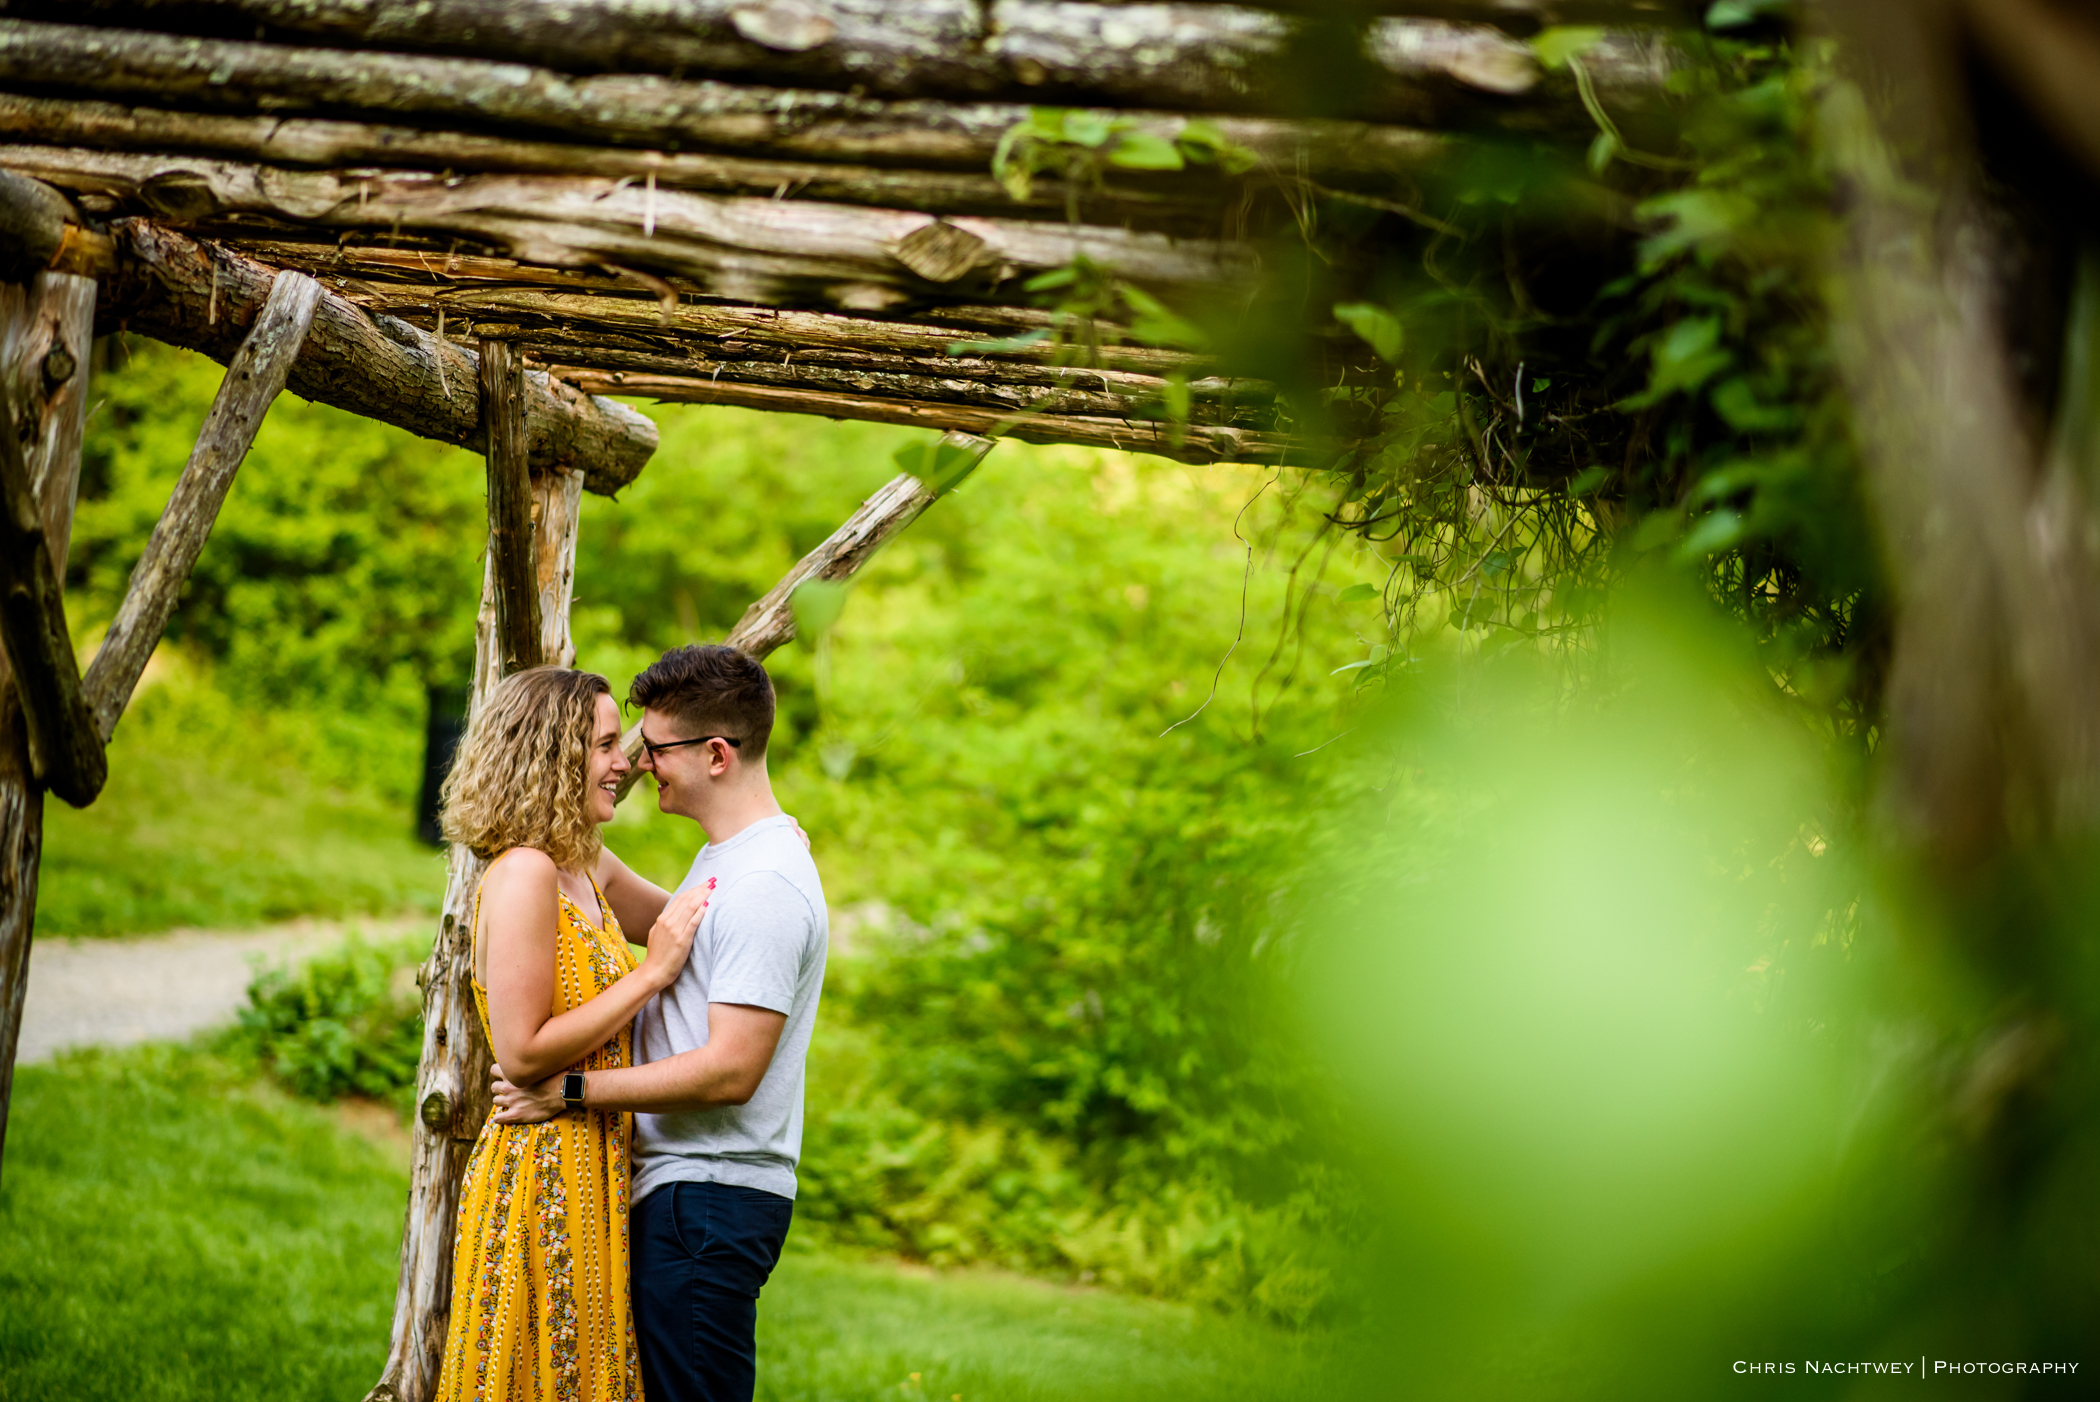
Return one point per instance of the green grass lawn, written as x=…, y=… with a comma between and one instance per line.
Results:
x=205, y=823
x=169, y=1230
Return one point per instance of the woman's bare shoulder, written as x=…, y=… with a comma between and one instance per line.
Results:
x=522, y=871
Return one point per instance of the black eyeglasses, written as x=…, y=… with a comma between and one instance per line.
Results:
x=655, y=749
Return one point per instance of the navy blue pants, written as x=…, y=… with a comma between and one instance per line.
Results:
x=700, y=1254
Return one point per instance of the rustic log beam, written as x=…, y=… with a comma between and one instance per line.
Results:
x=531, y=301
x=65, y=753
x=742, y=248
x=807, y=128
x=1179, y=56
x=769, y=623
x=1061, y=392
x=1196, y=444
x=45, y=332
x=452, y=1081
x=254, y=378
x=1191, y=201
x=195, y=295
x=511, y=562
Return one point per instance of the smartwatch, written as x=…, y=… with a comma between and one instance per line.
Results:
x=572, y=1090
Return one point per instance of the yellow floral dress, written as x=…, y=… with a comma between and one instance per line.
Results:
x=539, y=1266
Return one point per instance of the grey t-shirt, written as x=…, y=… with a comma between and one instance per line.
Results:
x=761, y=942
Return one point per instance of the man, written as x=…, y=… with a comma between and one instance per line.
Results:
x=717, y=1084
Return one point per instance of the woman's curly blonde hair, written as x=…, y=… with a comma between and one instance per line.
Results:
x=518, y=778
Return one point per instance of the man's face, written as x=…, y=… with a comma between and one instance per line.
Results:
x=682, y=769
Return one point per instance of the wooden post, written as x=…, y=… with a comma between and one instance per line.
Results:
x=452, y=1084
x=511, y=564
x=253, y=381
x=45, y=331
x=65, y=753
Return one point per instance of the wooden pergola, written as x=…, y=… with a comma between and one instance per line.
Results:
x=478, y=219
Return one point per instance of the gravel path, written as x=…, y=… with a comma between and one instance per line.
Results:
x=112, y=992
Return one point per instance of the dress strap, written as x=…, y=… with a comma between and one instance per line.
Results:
x=605, y=915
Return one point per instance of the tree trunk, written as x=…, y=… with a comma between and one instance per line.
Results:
x=65, y=753
x=777, y=251
x=1994, y=686
x=452, y=1083
x=204, y=298
x=46, y=330
x=511, y=563
x=1183, y=57
x=253, y=381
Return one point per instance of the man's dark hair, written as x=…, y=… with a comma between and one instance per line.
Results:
x=710, y=689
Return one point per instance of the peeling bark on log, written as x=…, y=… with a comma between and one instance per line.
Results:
x=736, y=247
x=1199, y=444
x=65, y=753
x=452, y=1081
x=191, y=294
x=1187, y=203
x=45, y=333
x=769, y=622
x=1175, y=55
x=254, y=378
x=511, y=563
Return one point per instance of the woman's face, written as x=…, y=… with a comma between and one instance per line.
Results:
x=607, y=764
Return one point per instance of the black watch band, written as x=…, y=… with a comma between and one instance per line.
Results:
x=572, y=1090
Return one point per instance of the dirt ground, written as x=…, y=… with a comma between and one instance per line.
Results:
x=113, y=992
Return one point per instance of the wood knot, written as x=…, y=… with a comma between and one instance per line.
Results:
x=436, y=1112
x=59, y=366
x=940, y=252
x=179, y=195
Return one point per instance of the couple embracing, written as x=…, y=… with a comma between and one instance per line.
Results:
x=629, y=1196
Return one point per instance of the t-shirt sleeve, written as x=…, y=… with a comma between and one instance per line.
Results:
x=762, y=929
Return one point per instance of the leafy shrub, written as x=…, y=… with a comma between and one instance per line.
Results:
x=348, y=1022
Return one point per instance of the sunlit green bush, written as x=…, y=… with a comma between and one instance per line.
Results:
x=349, y=1022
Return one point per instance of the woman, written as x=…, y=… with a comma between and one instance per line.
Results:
x=539, y=1282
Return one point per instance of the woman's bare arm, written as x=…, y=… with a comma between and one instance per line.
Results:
x=636, y=901
x=519, y=911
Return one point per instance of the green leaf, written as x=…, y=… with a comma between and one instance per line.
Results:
x=1716, y=531
x=1734, y=14
x=1141, y=150
x=1204, y=144
x=1088, y=129
x=1056, y=277
x=1736, y=402
x=1687, y=356
x=1588, y=480
x=1379, y=328
x=817, y=604
x=1603, y=146
x=1555, y=46
x=1356, y=594
x=1540, y=384
x=1155, y=323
